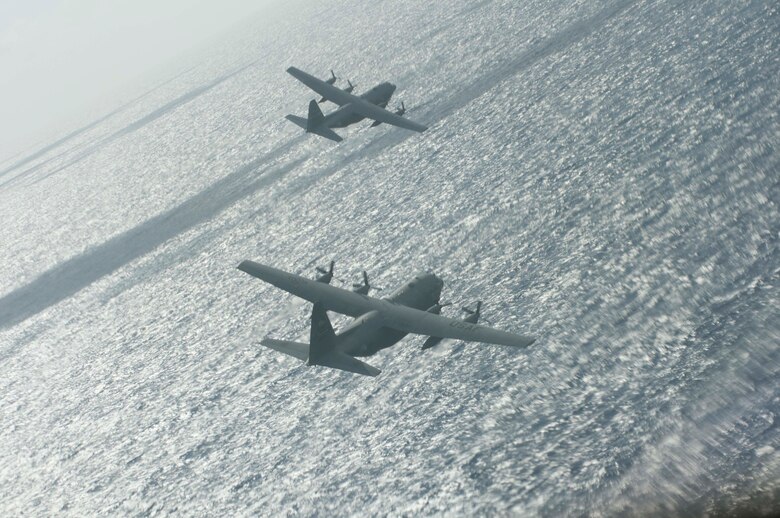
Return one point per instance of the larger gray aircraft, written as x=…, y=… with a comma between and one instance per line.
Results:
x=352, y=108
x=377, y=324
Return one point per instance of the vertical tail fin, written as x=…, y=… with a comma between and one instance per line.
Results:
x=322, y=338
x=315, y=123
x=315, y=117
x=322, y=346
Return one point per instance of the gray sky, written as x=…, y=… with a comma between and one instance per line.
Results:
x=60, y=59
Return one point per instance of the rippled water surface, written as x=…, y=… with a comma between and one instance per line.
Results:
x=603, y=175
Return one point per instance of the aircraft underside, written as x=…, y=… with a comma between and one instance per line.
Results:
x=384, y=337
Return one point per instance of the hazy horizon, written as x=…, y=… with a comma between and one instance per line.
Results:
x=66, y=60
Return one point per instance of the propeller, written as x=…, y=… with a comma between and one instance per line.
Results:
x=350, y=87
x=401, y=110
x=331, y=80
x=365, y=287
x=329, y=270
x=472, y=311
x=473, y=314
x=327, y=275
x=443, y=305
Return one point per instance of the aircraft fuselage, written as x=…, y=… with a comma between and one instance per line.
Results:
x=341, y=118
x=366, y=335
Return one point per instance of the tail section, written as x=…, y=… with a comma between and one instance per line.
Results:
x=298, y=121
x=322, y=346
x=294, y=349
x=345, y=362
x=324, y=131
x=315, y=123
x=322, y=338
x=316, y=117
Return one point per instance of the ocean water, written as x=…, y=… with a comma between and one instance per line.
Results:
x=603, y=175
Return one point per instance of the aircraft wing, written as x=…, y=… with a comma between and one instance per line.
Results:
x=395, y=316
x=357, y=105
x=372, y=111
x=412, y=320
x=332, y=298
x=329, y=92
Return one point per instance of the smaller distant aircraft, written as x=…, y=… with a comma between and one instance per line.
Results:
x=364, y=288
x=329, y=81
x=400, y=112
x=352, y=108
x=326, y=275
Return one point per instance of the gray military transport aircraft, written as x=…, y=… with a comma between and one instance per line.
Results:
x=377, y=324
x=352, y=108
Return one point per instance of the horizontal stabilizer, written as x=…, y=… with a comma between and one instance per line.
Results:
x=298, y=121
x=295, y=349
x=324, y=131
x=345, y=362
